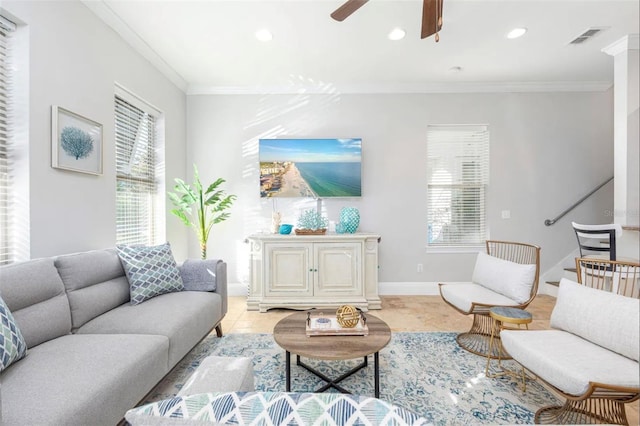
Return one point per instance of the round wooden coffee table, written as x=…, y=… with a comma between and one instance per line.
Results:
x=290, y=334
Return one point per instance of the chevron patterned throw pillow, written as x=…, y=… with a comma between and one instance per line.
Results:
x=151, y=271
x=12, y=344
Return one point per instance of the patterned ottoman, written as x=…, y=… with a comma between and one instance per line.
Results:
x=272, y=408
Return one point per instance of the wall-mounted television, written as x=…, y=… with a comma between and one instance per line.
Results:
x=318, y=168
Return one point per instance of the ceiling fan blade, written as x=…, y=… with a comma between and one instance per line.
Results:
x=431, y=17
x=343, y=12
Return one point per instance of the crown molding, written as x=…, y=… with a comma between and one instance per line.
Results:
x=109, y=17
x=628, y=42
x=469, y=87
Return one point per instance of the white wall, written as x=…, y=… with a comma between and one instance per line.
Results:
x=74, y=62
x=547, y=150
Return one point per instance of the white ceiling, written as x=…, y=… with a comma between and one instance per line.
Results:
x=210, y=47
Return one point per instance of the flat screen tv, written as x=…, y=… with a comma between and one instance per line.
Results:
x=318, y=168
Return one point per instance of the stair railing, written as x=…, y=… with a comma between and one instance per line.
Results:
x=550, y=222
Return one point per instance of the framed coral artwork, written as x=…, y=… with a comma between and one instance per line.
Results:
x=76, y=142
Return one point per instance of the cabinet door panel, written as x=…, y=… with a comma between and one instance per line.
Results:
x=288, y=270
x=338, y=269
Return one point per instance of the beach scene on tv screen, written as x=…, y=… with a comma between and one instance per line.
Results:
x=310, y=167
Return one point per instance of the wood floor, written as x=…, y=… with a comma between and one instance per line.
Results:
x=402, y=313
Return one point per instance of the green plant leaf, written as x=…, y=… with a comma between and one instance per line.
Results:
x=215, y=185
x=196, y=180
x=224, y=204
x=189, y=195
x=182, y=216
x=221, y=217
x=214, y=198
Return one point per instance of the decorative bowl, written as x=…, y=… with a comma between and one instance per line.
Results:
x=285, y=229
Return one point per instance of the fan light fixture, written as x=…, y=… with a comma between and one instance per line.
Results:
x=396, y=34
x=264, y=35
x=431, y=16
x=516, y=32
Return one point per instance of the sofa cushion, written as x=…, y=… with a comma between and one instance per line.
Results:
x=35, y=294
x=604, y=318
x=567, y=361
x=95, y=283
x=511, y=279
x=461, y=295
x=82, y=379
x=151, y=271
x=12, y=344
x=184, y=317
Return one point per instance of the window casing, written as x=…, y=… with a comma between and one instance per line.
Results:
x=7, y=239
x=139, y=200
x=457, y=182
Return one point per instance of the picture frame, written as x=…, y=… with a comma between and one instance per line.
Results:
x=76, y=142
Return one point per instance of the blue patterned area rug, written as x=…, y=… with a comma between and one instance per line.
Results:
x=424, y=372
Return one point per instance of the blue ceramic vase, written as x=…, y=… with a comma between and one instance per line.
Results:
x=350, y=219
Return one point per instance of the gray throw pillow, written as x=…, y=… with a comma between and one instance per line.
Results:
x=151, y=271
x=12, y=344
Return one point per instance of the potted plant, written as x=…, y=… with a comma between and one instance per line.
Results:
x=199, y=208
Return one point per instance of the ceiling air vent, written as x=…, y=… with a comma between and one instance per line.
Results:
x=588, y=35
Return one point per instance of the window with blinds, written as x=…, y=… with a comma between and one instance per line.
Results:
x=137, y=204
x=458, y=176
x=6, y=85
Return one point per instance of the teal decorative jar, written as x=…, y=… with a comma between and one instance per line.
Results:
x=350, y=219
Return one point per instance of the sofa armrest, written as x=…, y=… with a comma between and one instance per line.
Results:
x=206, y=275
x=221, y=288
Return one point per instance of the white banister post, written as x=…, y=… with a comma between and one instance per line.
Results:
x=626, y=130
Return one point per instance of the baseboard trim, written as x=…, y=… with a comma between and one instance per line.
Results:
x=390, y=288
x=237, y=289
x=384, y=288
x=416, y=288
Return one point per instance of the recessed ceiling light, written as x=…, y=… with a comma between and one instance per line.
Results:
x=264, y=35
x=516, y=32
x=396, y=34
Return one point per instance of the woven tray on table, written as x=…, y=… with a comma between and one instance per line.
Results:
x=311, y=231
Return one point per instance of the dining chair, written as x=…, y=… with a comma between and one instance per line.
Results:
x=597, y=240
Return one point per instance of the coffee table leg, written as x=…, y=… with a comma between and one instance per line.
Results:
x=288, y=372
x=376, y=374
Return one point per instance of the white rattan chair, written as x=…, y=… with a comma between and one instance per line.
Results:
x=601, y=402
x=473, y=299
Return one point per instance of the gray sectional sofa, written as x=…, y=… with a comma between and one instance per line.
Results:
x=91, y=354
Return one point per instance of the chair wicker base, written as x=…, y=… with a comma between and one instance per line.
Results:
x=476, y=340
x=587, y=411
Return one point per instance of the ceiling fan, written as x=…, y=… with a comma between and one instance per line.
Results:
x=431, y=15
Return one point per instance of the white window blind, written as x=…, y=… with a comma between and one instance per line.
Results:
x=137, y=206
x=7, y=240
x=458, y=176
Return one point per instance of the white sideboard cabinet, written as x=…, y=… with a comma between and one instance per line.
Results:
x=313, y=271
